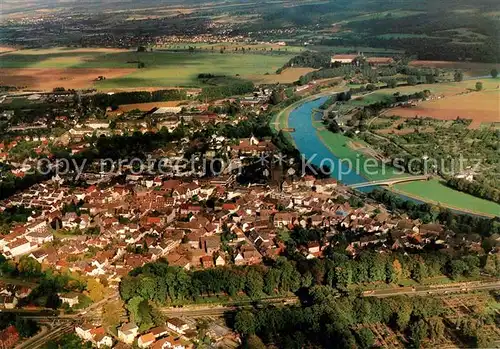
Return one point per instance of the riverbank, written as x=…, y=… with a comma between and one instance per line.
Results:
x=437, y=193
x=312, y=139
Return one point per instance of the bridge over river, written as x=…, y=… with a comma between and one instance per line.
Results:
x=391, y=181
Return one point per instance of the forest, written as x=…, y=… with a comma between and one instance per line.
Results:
x=330, y=321
x=104, y=100
x=159, y=283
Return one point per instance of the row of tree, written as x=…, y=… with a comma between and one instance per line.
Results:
x=164, y=284
x=25, y=327
x=234, y=88
x=474, y=188
x=308, y=59
x=104, y=100
x=428, y=213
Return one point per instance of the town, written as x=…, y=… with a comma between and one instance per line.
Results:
x=222, y=174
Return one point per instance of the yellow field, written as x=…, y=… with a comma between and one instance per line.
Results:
x=469, y=68
x=458, y=100
x=287, y=76
x=148, y=106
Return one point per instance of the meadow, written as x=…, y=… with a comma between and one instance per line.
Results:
x=339, y=145
x=162, y=68
x=436, y=192
x=182, y=69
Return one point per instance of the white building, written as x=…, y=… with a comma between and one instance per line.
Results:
x=177, y=325
x=40, y=237
x=18, y=247
x=128, y=332
x=70, y=298
x=168, y=110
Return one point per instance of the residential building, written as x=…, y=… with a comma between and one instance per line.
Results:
x=127, y=332
x=70, y=298
x=177, y=325
x=146, y=340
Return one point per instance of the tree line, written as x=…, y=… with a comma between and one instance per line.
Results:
x=330, y=321
x=159, y=283
x=456, y=222
x=232, y=89
x=474, y=188
x=104, y=100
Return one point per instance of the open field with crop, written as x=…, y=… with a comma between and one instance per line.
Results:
x=469, y=68
x=162, y=68
x=45, y=79
x=436, y=192
x=147, y=106
x=481, y=107
x=287, y=76
x=4, y=49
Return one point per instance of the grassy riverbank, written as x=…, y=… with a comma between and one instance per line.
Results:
x=435, y=192
x=338, y=144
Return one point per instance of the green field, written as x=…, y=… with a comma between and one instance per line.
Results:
x=436, y=192
x=181, y=69
x=433, y=191
x=162, y=68
x=370, y=99
x=384, y=15
x=339, y=146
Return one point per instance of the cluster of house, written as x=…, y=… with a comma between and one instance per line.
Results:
x=175, y=334
x=111, y=231
x=198, y=39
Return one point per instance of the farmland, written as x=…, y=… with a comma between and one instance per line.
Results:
x=458, y=100
x=45, y=79
x=287, y=76
x=147, y=106
x=161, y=68
x=470, y=69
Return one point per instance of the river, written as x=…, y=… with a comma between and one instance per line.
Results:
x=308, y=142
x=310, y=145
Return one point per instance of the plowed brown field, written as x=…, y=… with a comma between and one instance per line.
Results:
x=45, y=79
x=478, y=106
